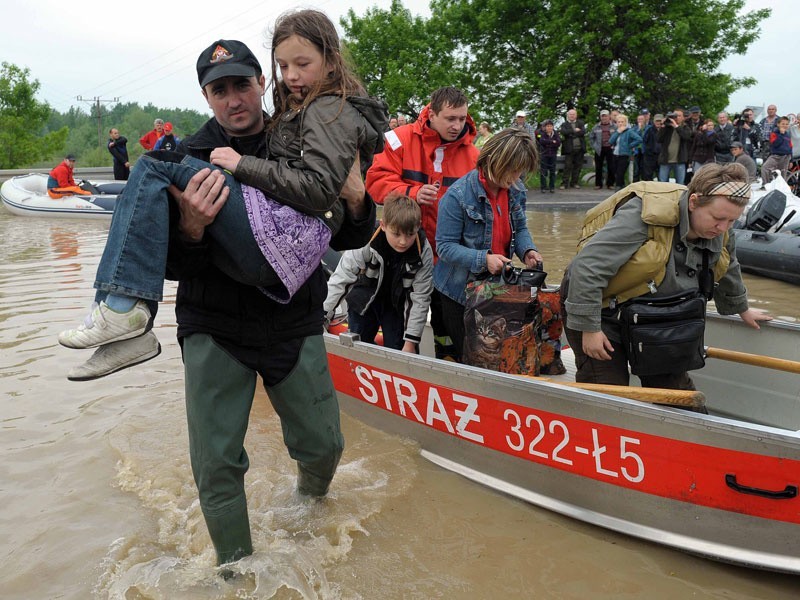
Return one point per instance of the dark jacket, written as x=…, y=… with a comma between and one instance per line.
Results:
x=723, y=144
x=572, y=141
x=664, y=137
x=780, y=143
x=168, y=141
x=548, y=144
x=749, y=138
x=208, y=301
x=119, y=149
x=650, y=144
x=703, y=146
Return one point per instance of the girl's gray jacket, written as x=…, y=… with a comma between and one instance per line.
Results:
x=362, y=262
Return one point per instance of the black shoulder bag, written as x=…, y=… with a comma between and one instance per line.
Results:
x=666, y=335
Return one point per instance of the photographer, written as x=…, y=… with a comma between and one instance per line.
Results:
x=746, y=132
x=675, y=138
x=703, y=143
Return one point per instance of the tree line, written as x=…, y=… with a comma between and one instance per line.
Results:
x=32, y=134
x=541, y=56
x=546, y=56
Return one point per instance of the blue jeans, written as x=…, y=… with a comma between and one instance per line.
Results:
x=678, y=168
x=135, y=257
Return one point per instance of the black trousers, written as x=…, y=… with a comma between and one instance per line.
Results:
x=121, y=172
x=605, y=158
x=453, y=322
x=573, y=163
x=620, y=169
x=547, y=172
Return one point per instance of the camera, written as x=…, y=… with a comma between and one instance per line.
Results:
x=671, y=115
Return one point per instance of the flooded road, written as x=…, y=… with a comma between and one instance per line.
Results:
x=98, y=499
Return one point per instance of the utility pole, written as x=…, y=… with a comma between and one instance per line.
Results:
x=97, y=100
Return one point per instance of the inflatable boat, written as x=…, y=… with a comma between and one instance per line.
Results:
x=789, y=220
x=765, y=243
x=26, y=195
x=773, y=255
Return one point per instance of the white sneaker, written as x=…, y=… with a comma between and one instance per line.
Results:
x=116, y=356
x=103, y=326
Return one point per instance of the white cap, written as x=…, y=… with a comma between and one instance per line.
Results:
x=521, y=113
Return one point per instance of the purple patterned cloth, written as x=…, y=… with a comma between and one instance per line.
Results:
x=292, y=243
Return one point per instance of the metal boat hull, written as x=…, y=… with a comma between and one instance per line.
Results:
x=710, y=485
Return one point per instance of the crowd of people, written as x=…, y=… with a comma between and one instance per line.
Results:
x=240, y=213
x=672, y=145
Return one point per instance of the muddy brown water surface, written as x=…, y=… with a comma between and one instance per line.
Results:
x=98, y=499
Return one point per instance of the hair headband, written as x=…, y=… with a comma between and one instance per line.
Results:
x=734, y=189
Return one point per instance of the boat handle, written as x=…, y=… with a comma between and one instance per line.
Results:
x=789, y=492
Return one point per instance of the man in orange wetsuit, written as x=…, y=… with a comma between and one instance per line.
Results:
x=61, y=182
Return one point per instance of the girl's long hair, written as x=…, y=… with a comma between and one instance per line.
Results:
x=318, y=29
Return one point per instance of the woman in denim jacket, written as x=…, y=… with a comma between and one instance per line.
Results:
x=624, y=140
x=481, y=223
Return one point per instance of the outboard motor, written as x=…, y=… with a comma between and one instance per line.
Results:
x=766, y=212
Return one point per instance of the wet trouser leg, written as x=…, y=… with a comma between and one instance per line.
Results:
x=218, y=403
x=219, y=396
x=307, y=405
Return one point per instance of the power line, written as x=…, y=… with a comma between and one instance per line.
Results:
x=99, y=109
x=177, y=65
x=179, y=46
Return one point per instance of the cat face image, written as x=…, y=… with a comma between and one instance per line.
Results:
x=490, y=331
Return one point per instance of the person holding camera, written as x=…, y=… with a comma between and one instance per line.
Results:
x=675, y=138
x=703, y=142
x=747, y=132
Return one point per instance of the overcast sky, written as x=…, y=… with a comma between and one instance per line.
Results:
x=145, y=51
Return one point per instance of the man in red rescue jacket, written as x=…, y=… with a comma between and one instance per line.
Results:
x=421, y=160
x=61, y=181
x=149, y=139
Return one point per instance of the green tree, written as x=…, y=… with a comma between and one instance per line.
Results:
x=23, y=119
x=400, y=58
x=549, y=55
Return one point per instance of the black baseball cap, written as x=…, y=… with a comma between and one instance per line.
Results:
x=70, y=156
x=226, y=58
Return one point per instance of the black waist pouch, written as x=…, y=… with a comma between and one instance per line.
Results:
x=664, y=335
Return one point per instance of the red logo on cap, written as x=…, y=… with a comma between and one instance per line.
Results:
x=220, y=54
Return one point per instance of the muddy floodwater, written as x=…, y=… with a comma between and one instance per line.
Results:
x=98, y=499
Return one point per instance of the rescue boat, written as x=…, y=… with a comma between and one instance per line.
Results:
x=26, y=195
x=722, y=485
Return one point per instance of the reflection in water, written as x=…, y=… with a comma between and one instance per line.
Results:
x=98, y=498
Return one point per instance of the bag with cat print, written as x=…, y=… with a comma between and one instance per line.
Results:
x=503, y=322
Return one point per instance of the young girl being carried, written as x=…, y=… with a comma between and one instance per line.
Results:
x=324, y=124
